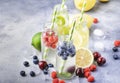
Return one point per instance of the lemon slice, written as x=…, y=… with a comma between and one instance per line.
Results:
x=84, y=58
x=89, y=4
x=60, y=20
x=77, y=39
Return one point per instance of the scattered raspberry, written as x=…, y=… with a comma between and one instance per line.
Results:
x=87, y=74
x=90, y=79
x=54, y=75
x=61, y=81
x=56, y=80
x=95, y=20
x=117, y=43
x=86, y=70
x=93, y=67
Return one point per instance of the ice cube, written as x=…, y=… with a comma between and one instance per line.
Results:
x=99, y=46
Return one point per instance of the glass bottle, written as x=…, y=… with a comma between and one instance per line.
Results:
x=48, y=52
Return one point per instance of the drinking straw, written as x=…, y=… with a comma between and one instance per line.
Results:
x=53, y=18
x=82, y=11
x=63, y=3
x=70, y=37
x=52, y=26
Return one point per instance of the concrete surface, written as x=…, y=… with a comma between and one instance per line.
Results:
x=20, y=19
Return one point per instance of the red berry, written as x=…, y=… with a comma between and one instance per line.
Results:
x=79, y=72
x=87, y=74
x=95, y=20
x=53, y=46
x=93, y=67
x=56, y=80
x=87, y=70
x=54, y=75
x=117, y=43
x=42, y=65
x=101, y=61
x=55, y=39
x=51, y=39
x=61, y=81
x=48, y=44
x=96, y=55
x=90, y=79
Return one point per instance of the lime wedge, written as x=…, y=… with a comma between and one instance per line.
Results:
x=36, y=41
x=60, y=20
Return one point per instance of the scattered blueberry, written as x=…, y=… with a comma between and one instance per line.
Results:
x=45, y=71
x=115, y=49
x=50, y=65
x=36, y=61
x=32, y=74
x=26, y=64
x=22, y=73
x=35, y=57
x=115, y=56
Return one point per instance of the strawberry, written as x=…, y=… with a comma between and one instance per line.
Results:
x=93, y=67
x=54, y=75
x=90, y=79
x=56, y=80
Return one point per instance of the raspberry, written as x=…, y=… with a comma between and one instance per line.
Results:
x=93, y=67
x=87, y=74
x=51, y=39
x=56, y=80
x=95, y=20
x=117, y=43
x=86, y=70
x=53, y=46
x=61, y=81
x=90, y=79
x=54, y=75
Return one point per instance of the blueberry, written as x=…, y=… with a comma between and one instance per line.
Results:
x=35, y=57
x=36, y=61
x=32, y=74
x=22, y=73
x=26, y=64
x=64, y=57
x=115, y=57
x=115, y=49
x=64, y=43
x=45, y=72
x=72, y=55
x=50, y=65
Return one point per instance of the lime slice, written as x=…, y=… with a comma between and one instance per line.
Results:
x=36, y=41
x=84, y=58
x=63, y=30
x=89, y=4
x=64, y=75
x=60, y=20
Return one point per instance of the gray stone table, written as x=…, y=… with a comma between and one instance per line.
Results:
x=20, y=19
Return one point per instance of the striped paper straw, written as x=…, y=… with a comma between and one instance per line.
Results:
x=53, y=18
x=63, y=3
x=82, y=11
